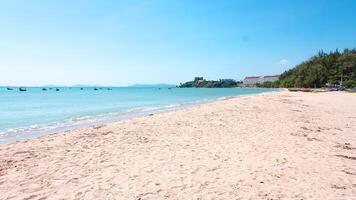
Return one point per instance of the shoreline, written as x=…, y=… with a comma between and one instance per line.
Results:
x=31, y=134
x=278, y=145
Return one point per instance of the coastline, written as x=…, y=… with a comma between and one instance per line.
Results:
x=265, y=146
x=106, y=119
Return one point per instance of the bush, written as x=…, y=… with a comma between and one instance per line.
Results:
x=349, y=84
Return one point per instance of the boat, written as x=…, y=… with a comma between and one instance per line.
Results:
x=44, y=89
x=57, y=89
x=9, y=88
x=300, y=90
x=95, y=88
x=21, y=89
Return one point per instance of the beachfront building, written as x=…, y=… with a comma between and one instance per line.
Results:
x=253, y=80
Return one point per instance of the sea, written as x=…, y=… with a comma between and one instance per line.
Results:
x=43, y=110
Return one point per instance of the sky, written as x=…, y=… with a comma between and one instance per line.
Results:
x=119, y=43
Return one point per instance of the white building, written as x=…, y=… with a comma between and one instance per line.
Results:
x=253, y=80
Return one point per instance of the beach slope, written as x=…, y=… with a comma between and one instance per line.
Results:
x=278, y=145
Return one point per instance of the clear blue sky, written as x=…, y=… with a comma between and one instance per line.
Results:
x=162, y=41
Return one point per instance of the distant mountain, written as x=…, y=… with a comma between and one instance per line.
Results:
x=53, y=85
x=84, y=85
x=162, y=85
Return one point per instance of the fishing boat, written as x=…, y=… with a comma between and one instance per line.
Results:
x=21, y=89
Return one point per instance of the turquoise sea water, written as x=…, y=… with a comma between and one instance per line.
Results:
x=37, y=112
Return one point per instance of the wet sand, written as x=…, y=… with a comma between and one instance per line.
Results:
x=279, y=145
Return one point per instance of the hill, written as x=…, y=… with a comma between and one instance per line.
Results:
x=200, y=82
x=334, y=68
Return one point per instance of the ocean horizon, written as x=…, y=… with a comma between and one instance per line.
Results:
x=38, y=111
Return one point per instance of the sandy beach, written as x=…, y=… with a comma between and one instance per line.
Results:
x=278, y=145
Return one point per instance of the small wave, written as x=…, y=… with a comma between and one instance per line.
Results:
x=80, y=118
x=225, y=98
x=15, y=131
x=173, y=106
x=222, y=98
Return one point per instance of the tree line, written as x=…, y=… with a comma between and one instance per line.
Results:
x=333, y=68
x=200, y=82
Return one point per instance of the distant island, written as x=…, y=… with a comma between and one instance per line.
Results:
x=159, y=85
x=200, y=82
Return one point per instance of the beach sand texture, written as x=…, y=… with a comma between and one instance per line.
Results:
x=269, y=146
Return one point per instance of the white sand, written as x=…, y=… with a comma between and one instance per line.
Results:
x=270, y=146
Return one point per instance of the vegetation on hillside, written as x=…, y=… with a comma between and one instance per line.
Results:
x=200, y=82
x=334, y=68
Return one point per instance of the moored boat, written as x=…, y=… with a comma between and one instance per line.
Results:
x=21, y=89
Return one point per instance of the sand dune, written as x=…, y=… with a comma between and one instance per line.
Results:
x=269, y=146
